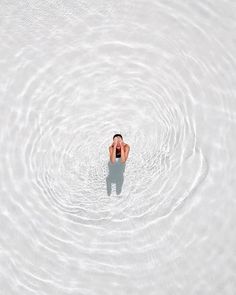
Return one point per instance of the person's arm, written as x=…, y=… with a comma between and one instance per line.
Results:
x=124, y=153
x=112, y=150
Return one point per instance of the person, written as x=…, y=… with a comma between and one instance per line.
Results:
x=119, y=149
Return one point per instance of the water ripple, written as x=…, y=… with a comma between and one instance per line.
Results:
x=72, y=75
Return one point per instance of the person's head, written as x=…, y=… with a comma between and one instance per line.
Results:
x=119, y=138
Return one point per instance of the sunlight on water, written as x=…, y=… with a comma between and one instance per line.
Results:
x=74, y=73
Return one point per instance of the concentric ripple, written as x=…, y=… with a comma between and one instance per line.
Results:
x=73, y=74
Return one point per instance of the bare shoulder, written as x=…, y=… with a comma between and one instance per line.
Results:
x=127, y=146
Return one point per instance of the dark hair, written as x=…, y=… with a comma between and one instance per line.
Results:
x=118, y=135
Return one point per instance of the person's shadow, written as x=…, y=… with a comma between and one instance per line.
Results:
x=116, y=175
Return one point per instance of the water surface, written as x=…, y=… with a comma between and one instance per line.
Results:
x=74, y=73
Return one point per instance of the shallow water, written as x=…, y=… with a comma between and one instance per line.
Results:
x=161, y=73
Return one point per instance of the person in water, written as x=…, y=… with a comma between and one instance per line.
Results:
x=119, y=149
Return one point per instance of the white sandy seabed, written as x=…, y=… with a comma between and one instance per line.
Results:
x=74, y=73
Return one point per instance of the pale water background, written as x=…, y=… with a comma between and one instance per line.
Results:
x=162, y=73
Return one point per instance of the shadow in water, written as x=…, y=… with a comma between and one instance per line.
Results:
x=116, y=176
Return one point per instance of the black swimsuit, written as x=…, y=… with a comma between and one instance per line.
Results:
x=118, y=154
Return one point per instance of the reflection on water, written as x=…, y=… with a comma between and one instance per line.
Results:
x=116, y=176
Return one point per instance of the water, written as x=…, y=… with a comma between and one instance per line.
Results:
x=161, y=73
